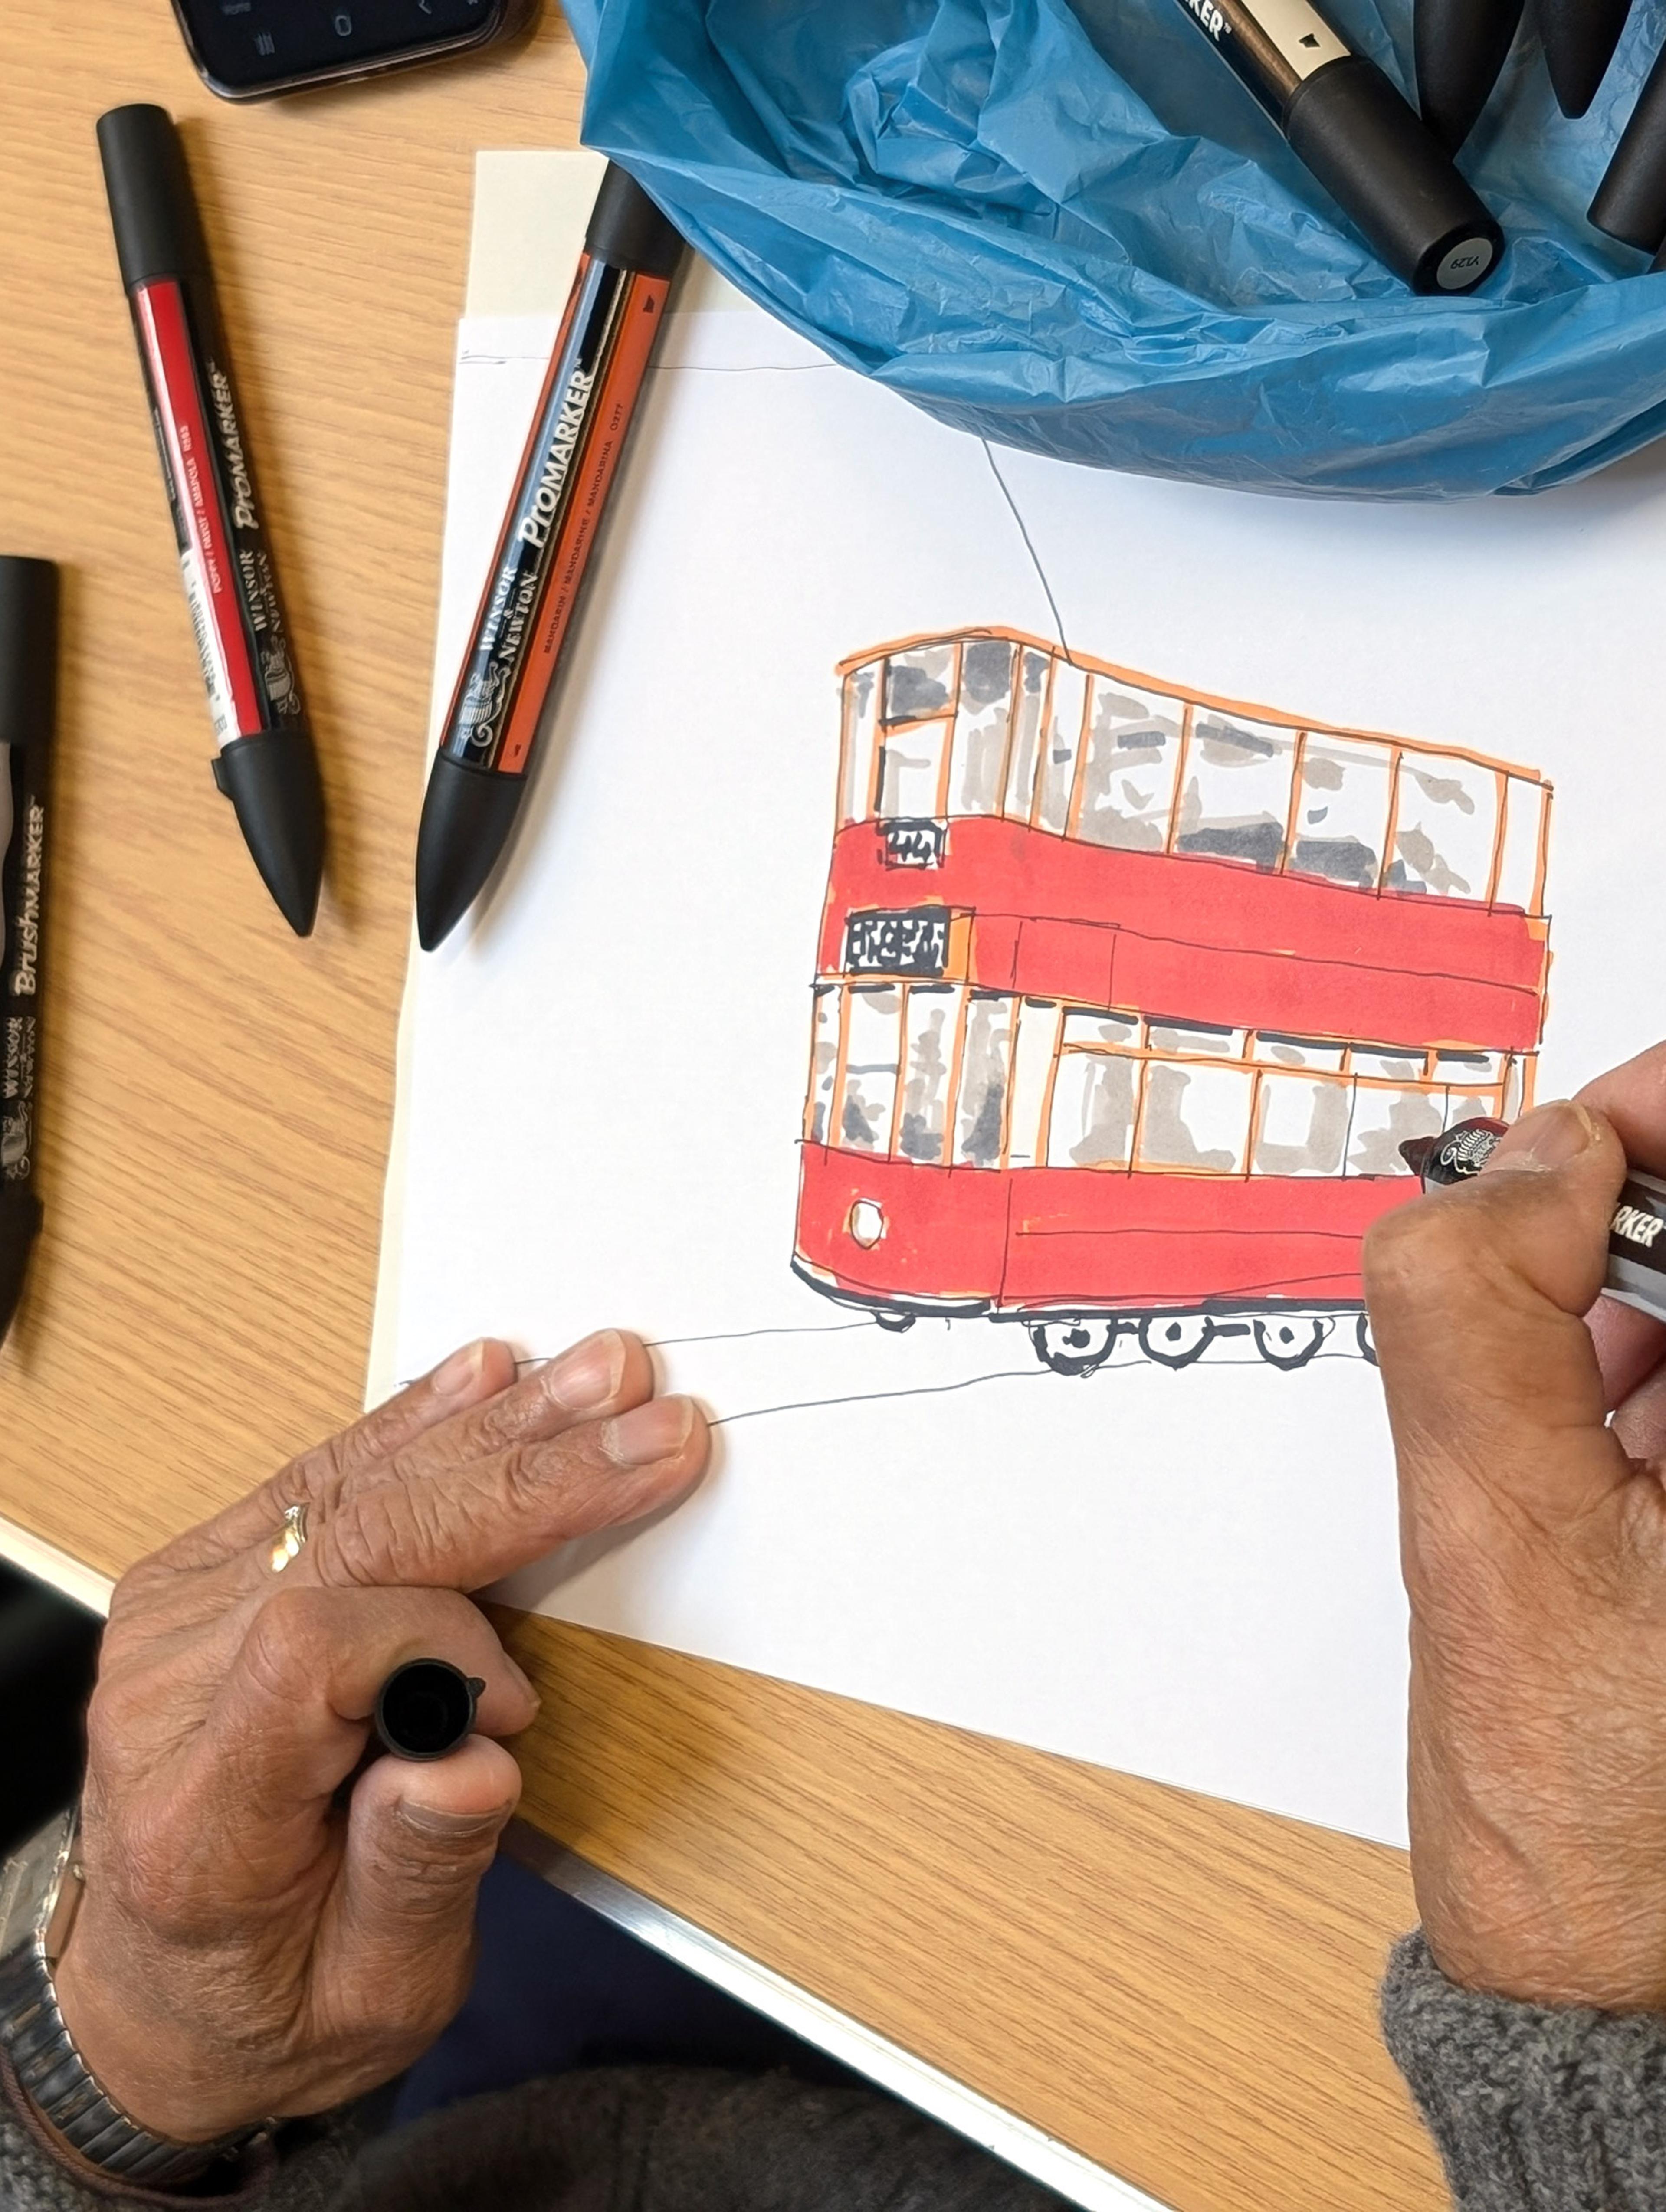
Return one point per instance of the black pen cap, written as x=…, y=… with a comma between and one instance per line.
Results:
x=153, y=210
x=1630, y=200
x=1385, y=168
x=628, y=230
x=28, y=650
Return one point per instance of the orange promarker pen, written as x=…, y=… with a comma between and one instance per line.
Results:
x=607, y=336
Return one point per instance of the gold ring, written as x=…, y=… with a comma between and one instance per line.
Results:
x=287, y=1544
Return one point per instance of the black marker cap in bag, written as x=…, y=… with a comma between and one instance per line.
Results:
x=628, y=230
x=153, y=210
x=1384, y=166
x=1630, y=200
x=28, y=650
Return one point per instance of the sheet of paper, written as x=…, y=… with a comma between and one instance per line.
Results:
x=1186, y=1570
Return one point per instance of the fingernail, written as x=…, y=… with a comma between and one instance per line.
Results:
x=590, y=1374
x=459, y=1373
x=521, y=1679
x=450, y=1827
x=649, y=1432
x=1549, y=1137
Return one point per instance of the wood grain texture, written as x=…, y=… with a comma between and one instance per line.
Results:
x=1180, y=1988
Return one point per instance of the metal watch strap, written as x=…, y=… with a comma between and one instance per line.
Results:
x=62, y=2087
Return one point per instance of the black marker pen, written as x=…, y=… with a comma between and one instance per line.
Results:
x=28, y=690
x=1636, y=1234
x=426, y=1709
x=1630, y=200
x=1360, y=139
x=265, y=764
x=1461, y=47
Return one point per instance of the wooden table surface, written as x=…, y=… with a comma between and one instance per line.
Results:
x=1181, y=1989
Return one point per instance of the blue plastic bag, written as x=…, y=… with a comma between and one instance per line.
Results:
x=1071, y=230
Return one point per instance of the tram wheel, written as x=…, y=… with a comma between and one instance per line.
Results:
x=1176, y=1340
x=1072, y=1348
x=1289, y=1340
x=1364, y=1339
x=896, y=1322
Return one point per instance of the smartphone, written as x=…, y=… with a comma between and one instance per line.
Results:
x=250, y=49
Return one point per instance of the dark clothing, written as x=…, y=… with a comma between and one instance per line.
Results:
x=1534, y=2109
x=624, y=2139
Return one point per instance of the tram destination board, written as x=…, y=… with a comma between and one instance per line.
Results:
x=888, y=941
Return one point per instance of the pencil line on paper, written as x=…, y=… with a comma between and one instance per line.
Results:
x=740, y=1335
x=876, y=1397
x=1029, y=543
x=723, y=1336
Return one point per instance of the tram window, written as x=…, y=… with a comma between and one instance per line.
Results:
x=1383, y=1119
x=983, y=1074
x=1027, y=734
x=1473, y=1080
x=1382, y=1063
x=1102, y=1031
x=1195, y=1117
x=1296, y=1052
x=980, y=731
x=1514, y=1086
x=1094, y=1097
x=1301, y=1125
x=1237, y=798
x=911, y=770
x=1064, y=733
x=861, y=691
x=1128, y=783
x=1189, y=1038
x=873, y=1025
x=824, y=1062
x=1446, y=819
x=1524, y=825
x=923, y=1128
x=1033, y=1060
x=1476, y=1068
x=1342, y=810
x=919, y=684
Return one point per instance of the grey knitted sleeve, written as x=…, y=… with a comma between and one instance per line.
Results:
x=1533, y=2109
x=36, y=2178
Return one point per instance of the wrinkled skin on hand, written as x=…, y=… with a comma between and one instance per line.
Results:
x=1534, y=1544
x=248, y=1946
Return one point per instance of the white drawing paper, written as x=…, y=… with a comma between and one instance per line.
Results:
x=1074, y=1524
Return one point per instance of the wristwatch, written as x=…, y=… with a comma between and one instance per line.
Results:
x=40, y=1891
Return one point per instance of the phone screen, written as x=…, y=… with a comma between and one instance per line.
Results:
x=245, y=43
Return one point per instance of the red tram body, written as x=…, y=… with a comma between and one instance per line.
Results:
x=1126, y=997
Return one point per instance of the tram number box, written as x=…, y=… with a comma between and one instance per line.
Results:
x=914, y=941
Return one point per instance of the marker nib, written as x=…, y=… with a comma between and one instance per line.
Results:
x=1415, y=1152
x=466, y=818
x=272, y=780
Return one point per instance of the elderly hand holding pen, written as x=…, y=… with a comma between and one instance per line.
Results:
x=1530, y=1421
x=247, y=1947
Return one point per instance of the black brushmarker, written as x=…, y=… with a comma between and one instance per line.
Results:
x=1636, y=1273
x=27, y=711
x=1630, y=200
x=1365, y=146
x=1580, y=37
x=1461, y=47
x=28, y=692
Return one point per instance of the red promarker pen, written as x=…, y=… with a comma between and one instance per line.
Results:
x=607, y=339
x=266, y=765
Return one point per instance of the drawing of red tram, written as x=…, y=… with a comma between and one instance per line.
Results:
x=1127, y=998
